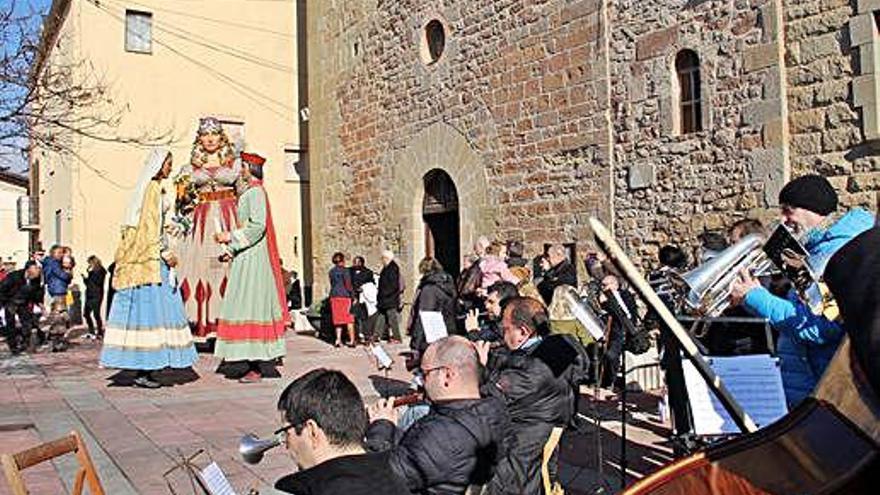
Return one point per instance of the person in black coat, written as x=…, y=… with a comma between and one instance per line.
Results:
x=615, y=340
x=325, y=425
x=19, y=292
x=436, y=292
x=537, y=375
x=561, y=272
x=94, y=282
x=459, y=441
x=360, y=275
x=388, y=299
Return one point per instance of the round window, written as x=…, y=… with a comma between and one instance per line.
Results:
x=433, y=41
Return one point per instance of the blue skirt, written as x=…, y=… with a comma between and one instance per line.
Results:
x=147, y=329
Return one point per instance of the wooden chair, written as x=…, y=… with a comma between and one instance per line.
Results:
x=14, y=464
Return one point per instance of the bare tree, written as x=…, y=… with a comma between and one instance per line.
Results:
x=49, y=99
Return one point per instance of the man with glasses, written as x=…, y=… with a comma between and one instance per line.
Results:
x=325, y=421
x=459, y=441
x=807, y=341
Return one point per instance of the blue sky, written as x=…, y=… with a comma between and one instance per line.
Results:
x=21, y=8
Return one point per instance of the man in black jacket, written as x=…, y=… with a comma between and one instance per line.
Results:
x=457, y=443
x=561, y=272
x=325, y=423
x=537, y=376
x=19, y=291
x=388, y=299
x=614, y=344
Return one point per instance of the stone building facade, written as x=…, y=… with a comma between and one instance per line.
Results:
x=538, y=114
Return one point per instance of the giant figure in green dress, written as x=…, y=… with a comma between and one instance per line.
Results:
x=253, y=315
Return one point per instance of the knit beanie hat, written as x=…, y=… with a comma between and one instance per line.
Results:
x=810, y=192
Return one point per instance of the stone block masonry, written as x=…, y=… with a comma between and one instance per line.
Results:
x=544, y=112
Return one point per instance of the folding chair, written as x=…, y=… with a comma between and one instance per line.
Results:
x=14, y=464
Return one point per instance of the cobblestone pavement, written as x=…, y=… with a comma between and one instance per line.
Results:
x=135, y=435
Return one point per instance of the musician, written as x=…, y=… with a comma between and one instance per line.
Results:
x=497, y=296
x=536, y=375
x=615, y=339
x=806, y=341
x=325, y=421
x=458, y=442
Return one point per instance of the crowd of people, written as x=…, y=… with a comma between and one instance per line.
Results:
x=38, y=301
x=498, y=388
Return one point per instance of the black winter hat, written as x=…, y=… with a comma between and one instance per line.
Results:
x=810, y=192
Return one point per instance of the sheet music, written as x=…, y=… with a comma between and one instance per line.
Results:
x=216, y=481
x=433, y=325
x=755, y=382
x=586, y=317
x=382, y=357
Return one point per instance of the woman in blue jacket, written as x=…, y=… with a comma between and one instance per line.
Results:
x=807, y=342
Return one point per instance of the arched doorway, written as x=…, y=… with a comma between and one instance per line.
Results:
x=440, y=214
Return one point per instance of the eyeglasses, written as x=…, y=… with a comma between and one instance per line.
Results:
x=281, y=434
x=427, y=371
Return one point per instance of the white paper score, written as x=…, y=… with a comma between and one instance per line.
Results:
x=433, y=325
x=755, y=382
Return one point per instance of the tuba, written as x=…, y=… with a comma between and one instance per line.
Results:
x=705, y=290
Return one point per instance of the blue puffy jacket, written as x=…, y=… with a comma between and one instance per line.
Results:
x=807, y=342
x=56, y=279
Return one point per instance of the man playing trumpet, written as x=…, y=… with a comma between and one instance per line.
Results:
x=807, y=341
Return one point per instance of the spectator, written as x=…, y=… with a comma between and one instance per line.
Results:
x=494, y=267
x=20, y=290
x=562, y=319
x=436, y=293
x=458, y=442
x=94, y=282
x=515, y=252
x=294, y=294
x=368, y=298
x=58, y=273
x=57, y=278
x=560, y=272
x=536, y=375
x=325, y=422
x=360, y=275
x=341, y=294
x=388, y=299
x=498, y=294
x=480, y=246
x=540, y=265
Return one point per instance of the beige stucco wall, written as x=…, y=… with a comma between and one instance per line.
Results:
x=198, y=72
x=13, y=243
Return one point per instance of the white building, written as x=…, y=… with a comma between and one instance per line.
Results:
x=13, y=242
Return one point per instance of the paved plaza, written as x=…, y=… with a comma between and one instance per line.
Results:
x=135, y=435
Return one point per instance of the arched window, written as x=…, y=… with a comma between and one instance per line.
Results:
x=687, y=69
